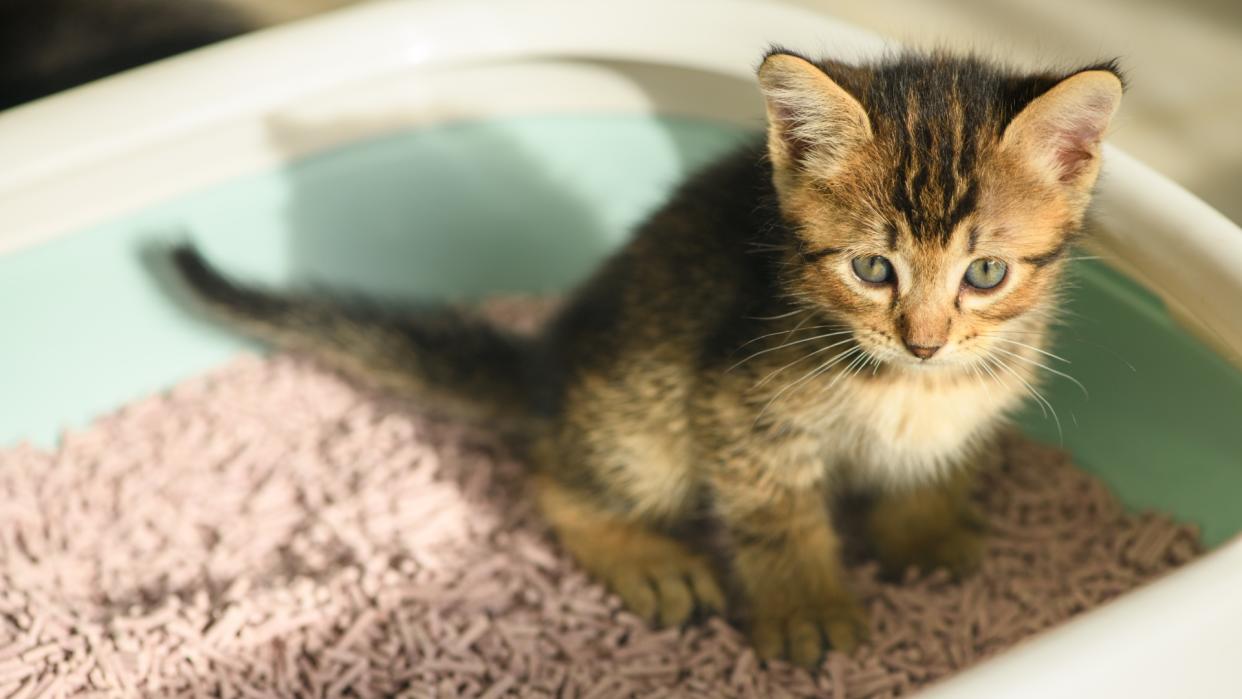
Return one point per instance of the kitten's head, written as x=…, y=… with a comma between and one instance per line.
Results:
x=933, y=198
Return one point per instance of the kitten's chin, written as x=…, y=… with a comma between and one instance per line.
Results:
x=933, y=365
x=921, y=365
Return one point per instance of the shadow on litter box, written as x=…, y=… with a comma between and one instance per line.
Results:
x=456, y=210
x=465, y=208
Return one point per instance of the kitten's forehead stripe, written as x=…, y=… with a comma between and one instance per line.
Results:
x=902, y=199
x=933, y=126
x=950, y=145
x=964, y=206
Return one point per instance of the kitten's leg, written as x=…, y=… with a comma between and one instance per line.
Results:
x=787, y=561
x=928, y=527
x=657, y=577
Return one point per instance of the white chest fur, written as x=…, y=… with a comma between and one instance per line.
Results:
x=912, y=428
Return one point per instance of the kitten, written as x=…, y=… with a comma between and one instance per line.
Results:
x=853, y=306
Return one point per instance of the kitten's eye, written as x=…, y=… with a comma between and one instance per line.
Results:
x=986, y=273
x=873, y=269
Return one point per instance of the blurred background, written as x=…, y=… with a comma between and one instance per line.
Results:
x=1181, y=115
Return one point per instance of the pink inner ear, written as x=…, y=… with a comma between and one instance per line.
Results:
x=790, y=126
x=1077, y=139
x=1075, y=149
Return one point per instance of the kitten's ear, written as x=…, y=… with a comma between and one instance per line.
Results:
x=812, y=121
x=1058, y=134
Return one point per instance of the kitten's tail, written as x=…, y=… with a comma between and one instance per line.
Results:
x=456, y=364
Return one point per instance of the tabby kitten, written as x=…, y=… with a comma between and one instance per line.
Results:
x=854, y=306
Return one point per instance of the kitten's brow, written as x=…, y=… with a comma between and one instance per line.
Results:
x=1045, y=258
x=817, y=255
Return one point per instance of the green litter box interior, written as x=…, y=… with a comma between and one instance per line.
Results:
x=530, y=205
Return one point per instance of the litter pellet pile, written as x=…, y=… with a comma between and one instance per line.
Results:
x=268, y=530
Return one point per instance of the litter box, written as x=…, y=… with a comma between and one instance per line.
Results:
x=425, y=149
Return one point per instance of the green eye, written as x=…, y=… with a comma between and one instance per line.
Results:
x=873, y=269
x=986, y=273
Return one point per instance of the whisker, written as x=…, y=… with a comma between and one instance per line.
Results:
x=847, y=370
x=795, y=329
x=978, y=367
x=800, y=359
x=803, y=320
x=1038, y=396
x=1107, y=350
x=788, y=344
x=993, y=374
x=778, y=317
x=994, y=362
x=833, y=361
x=1046, y=368
x=861, y=365
x=987, y=387
x=1076, y=338
x=825, y=366
x=1030, y=347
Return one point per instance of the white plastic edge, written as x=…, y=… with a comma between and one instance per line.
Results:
x=1176, y=245
x=141, y=137
x=1178, y=637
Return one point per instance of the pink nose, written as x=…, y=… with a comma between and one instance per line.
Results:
x=923, y=351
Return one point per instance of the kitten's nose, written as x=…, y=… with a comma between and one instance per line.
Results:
x=923, y=351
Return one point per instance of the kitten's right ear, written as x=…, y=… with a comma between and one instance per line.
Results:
x=813, y=122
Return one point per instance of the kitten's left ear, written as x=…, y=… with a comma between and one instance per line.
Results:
x=1059, y=132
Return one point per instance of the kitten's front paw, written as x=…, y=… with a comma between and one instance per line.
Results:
x=800, y=626
x=657, y=577
x=665, y=586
